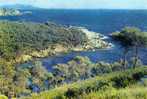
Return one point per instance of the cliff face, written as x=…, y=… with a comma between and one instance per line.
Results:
x=9, y=12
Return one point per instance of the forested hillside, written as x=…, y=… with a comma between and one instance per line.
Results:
x=17, y=38
x=79, y=78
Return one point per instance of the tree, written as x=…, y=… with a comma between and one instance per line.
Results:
x=131, y=37
x=39, y=75
x=21, y=81
x=7, y=74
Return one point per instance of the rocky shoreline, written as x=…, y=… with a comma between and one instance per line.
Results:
x=9, y=12
x=95, y=41
x=12, y=12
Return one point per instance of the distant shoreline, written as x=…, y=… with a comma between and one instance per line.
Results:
x=12, y=12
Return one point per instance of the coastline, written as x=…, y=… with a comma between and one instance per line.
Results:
x=12, y=12
x=95, y=41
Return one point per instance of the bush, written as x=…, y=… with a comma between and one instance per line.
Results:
x=3, y=97
x=72, y=92
x=101, y=68
x=138, y=76
x=110, y=83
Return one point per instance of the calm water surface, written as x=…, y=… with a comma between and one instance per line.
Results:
x=101, y=21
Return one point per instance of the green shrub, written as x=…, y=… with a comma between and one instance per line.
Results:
x=72, y=92
x=138, y=76
x=122, y=81
x=3, y=97
x=114, y=85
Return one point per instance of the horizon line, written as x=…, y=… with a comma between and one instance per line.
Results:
x=75, y=8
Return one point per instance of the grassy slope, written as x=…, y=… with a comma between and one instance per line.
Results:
x=100, y=87
x=135, y=92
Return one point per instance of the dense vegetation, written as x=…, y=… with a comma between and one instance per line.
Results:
x=35, y=77
x=132, y=39
x=17, y=38
x=107, y=86
x=14, y=80
x=21, y=38
x=100, y=87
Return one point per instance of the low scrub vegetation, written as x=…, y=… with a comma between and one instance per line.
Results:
x=133, y=92
x=99, y=86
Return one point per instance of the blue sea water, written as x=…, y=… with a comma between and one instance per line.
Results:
x=101, y=21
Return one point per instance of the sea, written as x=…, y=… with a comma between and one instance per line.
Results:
x=100, y=21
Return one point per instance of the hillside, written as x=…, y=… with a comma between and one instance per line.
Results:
x=107, y=86
x=22, y=40
x=78, y=79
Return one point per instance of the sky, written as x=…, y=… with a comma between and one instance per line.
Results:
x=82, y=4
